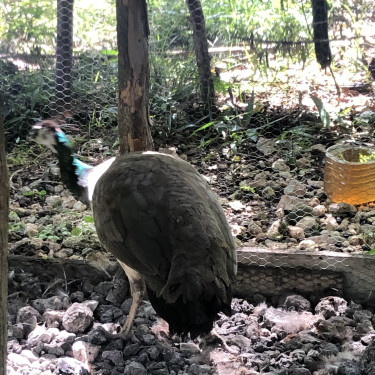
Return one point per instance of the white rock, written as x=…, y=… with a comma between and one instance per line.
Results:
x=307, y=244
x=331, y=223
x=237, y=229
x=288, y=203
x=236, y=206
x=18, y=360
x=40, y=334
x=355, y=240
x=273, y=230
x=319, y=210
x=280, y=165
x=296, y=232
x=79, y=206
x=308, y=223
x=30, y=355
x=69, y=201
x=266, y=146
x=85, y=352
x=31, y=229
x=77, y=318
x=295, y=188
x=53, y=201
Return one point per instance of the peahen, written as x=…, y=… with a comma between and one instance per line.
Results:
x=157, y=215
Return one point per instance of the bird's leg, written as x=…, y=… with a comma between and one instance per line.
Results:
x=138, y=290
x=213, y=337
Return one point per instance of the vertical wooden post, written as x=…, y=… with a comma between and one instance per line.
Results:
x=4, y=206
x=133, y=76
x=201, y=53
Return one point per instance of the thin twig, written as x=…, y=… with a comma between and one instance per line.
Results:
x=336, y=84
x=11, y=178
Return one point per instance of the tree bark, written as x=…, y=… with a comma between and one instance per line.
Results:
x=133, y=76
x=4, y=206
x=321, y=39
x=64, y=58
x=201, y=53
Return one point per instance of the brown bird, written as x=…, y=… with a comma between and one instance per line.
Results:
x=157, y=215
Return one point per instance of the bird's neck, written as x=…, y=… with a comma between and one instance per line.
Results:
x=73, y=171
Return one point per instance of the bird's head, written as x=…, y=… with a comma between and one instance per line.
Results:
x=48, y=133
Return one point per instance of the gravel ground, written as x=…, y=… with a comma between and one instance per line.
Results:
x=64, y=333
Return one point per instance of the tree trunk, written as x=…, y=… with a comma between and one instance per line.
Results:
x=64, y=58
x=133, y=76
x=321, y=39
x=4, y=206
x=201, y=53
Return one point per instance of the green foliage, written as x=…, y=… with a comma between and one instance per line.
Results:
x=31, y=92
x=27, y=26
x=302, y=135
x=24, y=154
x=88, y=219
x=95, y=23
x=86, y=227
x=35, y=193
x=169, y=25
x=230, y=22
x=17, y=228
x=30, y=26
x=53, y=233
x=247, y=188
x=94, y=78
x=28, y=96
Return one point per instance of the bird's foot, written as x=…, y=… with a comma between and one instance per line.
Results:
x=110, y=336
x=214, y=338
x=122, y=334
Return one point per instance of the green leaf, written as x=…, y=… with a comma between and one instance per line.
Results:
x=324, y=116
x=111, y=52
x=205, y=126
x=247, y=188
x=233, y=148
x=76, y=231
x=252, y=134
x=88, y=219
x=52, y=238
x=371, y=252
x=29, y=193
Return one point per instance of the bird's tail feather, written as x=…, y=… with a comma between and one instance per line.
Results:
x=191, y=303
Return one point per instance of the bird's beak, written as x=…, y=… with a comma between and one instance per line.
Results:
x=33, y=133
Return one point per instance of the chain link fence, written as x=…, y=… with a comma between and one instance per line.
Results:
x=265, y=163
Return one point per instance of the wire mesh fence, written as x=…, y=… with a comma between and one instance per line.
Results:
x=266, y=165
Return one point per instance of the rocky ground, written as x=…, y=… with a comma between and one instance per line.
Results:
x=62, y=331
x=272, y=192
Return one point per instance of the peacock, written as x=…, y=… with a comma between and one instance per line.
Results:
x=157, y=215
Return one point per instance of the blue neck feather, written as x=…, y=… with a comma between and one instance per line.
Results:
x=73, y=171
x=81, y=167
x=61, y=138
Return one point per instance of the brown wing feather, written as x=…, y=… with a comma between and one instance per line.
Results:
x=157, y=214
